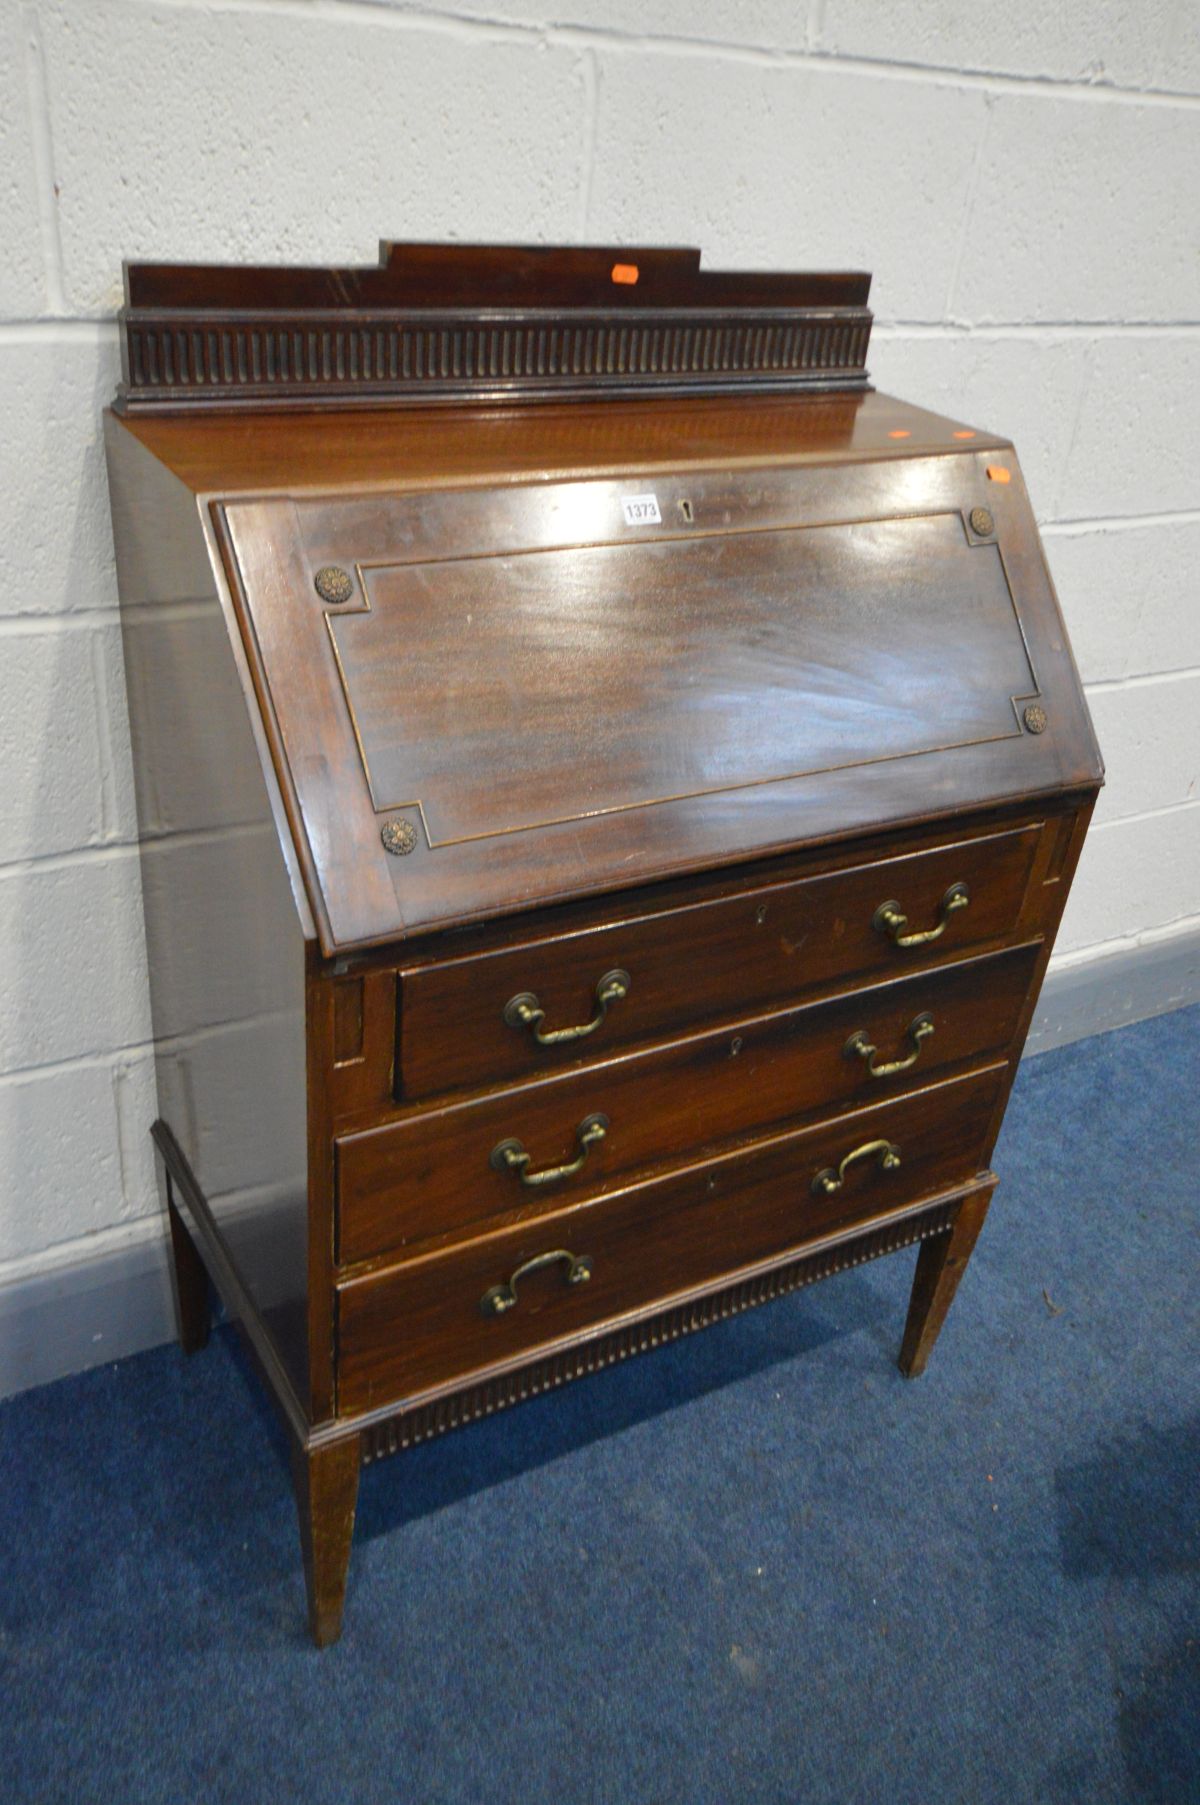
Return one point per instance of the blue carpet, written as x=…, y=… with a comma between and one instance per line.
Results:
x=757, y=1565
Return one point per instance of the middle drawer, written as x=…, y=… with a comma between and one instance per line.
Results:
x=440, y=1170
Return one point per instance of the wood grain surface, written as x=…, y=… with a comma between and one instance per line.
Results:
x=421, y=1323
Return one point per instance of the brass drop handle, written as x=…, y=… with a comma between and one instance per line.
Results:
x=510, y=1155
x=504, y=1297
x=890, y=919
x=858, y=1046
x=886, y=1154
x=524, y=1010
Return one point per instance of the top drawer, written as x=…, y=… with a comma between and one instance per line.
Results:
x=473, y=1021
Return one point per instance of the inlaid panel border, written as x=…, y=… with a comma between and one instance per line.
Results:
x=1019, y=702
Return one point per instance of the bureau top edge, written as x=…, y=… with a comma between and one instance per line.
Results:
x=360, y=451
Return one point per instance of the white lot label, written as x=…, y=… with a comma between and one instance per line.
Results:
x=640, y=510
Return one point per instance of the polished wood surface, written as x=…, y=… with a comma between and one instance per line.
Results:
x=463, y=276
x=390, y=450
x=326, y=1485
x=596, y=679
x=708, y=960
x=940, y=1265
x=224, y=909
x=455, y=323
x=487, y=684
x=745, y=754
x=649, y=1241
x=429, y=1172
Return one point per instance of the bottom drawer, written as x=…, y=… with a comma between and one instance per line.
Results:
x=450, y=1314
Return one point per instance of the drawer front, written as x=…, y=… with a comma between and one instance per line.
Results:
x=439, y=1170
x=435, y=1319
x=706, y=962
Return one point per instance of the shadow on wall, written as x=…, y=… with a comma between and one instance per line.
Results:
x=73, y=971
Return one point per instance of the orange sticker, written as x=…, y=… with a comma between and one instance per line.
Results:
x=998, y=474
x=625, y=272
x=964, y=435
x=900, y=433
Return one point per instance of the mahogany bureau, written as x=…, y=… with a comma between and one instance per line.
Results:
x=608, y=783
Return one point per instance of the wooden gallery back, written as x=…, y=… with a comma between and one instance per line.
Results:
x=609, y=781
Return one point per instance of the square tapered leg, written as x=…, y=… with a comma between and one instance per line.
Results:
x=326, y=1481
x=940, y=1265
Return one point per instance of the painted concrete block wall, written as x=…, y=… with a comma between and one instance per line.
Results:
x=1022, y=181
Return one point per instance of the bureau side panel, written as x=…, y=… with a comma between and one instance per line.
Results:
x=225, y=946
x=1045, y=902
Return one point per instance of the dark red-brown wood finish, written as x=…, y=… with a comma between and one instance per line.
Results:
x=609, y=783
x=443, y=322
